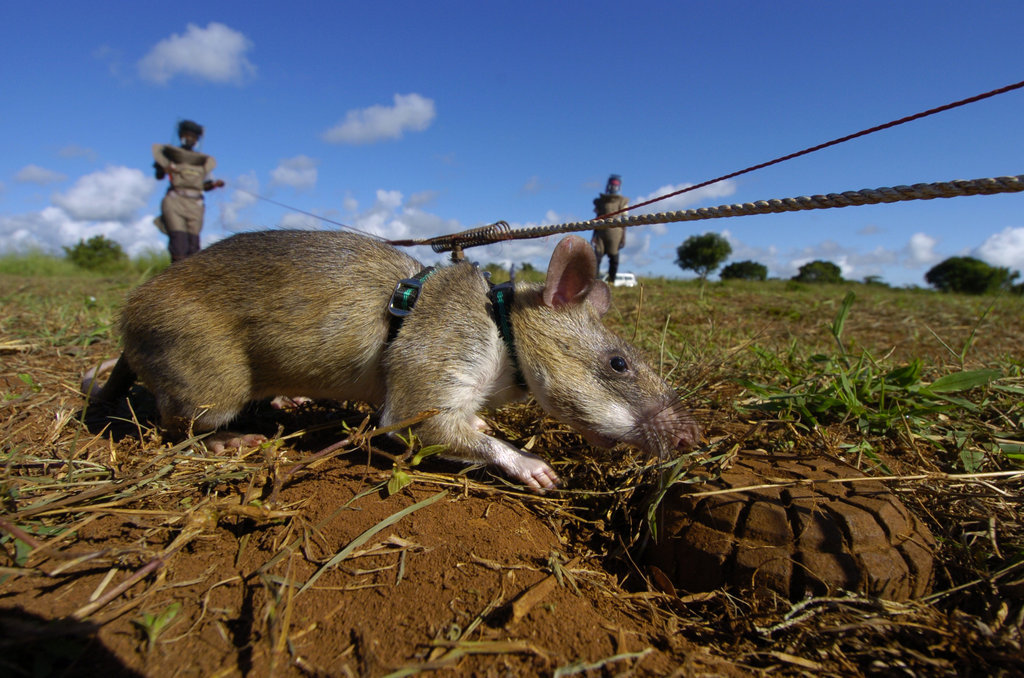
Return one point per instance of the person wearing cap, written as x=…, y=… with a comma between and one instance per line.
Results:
x=182, y=207
x=610, y=240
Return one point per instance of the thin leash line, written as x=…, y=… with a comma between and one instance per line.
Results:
x=485, y=235
x=309, y=214
x=501, y=231
x=827, y=144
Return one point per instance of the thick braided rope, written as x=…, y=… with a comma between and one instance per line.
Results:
x=867, y=196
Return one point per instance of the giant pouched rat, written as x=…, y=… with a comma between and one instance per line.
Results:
x=292, y=313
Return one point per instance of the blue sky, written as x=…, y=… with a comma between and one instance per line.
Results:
x=422, y=118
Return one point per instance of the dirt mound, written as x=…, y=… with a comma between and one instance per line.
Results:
x=338, y=581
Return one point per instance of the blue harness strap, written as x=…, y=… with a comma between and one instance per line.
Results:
x=501, y=297
x=407, y=291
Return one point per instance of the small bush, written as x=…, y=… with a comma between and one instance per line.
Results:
x=96, y=254
x=744, y=270
x=819, y=272
x=969, y=276
x=702, y=254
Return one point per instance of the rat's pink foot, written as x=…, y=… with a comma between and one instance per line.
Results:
x=536, y=474
x=289, y=402
x=221, y=441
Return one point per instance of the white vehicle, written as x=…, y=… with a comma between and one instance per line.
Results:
x=624, y=280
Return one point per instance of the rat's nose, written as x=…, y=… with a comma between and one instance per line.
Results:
x=676, y=427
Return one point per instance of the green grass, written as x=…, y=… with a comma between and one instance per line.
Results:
x=48, y=300
x=882, y=368
x=873, y=370
x=873, y=396
x=37, y=263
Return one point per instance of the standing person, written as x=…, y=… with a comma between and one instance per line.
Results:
x=610, y=240
x=182, y=206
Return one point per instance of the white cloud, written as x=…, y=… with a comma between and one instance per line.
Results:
x=390, y=200
x=108, y=203
x=216, y=53
x=112, y=58
x=34, y=174
x=247, y=186
x=299, y=172
x=112, y=194
x=52, y=228
x=300, y=221
x=640, y=256
x=421, y=198
x=1005, y=248
x=854, y=263
x=411, y=112
x=77, y=151
x=920, y=251
x=532, y=185
x=393, y=217
x=682, y=201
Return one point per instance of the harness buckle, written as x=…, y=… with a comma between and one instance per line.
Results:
x=402, y=299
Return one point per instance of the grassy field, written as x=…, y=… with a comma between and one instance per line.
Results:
x=145, y=557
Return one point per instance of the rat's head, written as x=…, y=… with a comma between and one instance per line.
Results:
x=581, y=372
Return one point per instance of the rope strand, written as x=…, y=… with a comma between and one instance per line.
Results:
x=867, y=196
x=812, y=149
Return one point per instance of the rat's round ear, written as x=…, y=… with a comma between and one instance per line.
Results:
x=570, y=273
x=600, y=296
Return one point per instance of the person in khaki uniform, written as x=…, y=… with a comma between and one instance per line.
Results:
x=182, y=207
x=610, y=240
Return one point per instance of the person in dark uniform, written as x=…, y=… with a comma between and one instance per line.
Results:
x=610, y=240
x=182, y=207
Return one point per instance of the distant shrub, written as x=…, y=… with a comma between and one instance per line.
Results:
x=702, y=254
x=499, y=273
x=526, y=272
x=969, y=276
x=96, y=254
x=744, y=270
x=819, y=272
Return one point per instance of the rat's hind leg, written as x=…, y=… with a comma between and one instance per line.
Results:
x=182, y=420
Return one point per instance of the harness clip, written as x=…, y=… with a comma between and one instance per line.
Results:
x=402, y=299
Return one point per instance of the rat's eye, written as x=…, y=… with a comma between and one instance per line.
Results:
x=618, y=363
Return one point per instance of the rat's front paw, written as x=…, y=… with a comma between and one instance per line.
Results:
x=289, y=403
x=536, y=475
x=222, y=441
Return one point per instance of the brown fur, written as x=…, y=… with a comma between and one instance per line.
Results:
x=303, y=313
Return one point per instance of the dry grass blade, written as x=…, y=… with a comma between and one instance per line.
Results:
x=200, y=522
x=602, y=664
x=368, y=534
x=934, y=477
